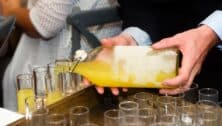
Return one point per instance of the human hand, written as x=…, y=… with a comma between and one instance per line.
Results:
x=8, y=6
x=194, y=45
x=122, y=39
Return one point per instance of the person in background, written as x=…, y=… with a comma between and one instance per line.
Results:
x=194, y=27
x=45, y=38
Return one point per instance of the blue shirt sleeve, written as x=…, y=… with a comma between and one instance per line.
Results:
x=214, y=21
x=141, y=37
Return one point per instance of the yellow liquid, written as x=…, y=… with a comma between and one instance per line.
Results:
x=21, y=96
x=101, y=74
x=54, y=97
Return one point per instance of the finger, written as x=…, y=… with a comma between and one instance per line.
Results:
x=165, y=43
x=117, y=40
x=196, y=69
x=86, y=82
x=115, y=91
x=171, y=91
x=100, y=90
x=125, y=89
x=177, y=81
x=188, y=62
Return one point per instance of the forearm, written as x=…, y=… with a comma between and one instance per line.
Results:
x=24, y=22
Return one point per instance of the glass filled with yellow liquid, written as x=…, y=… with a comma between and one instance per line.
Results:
x=54, y=86
x=24, y=90
x=125, y=66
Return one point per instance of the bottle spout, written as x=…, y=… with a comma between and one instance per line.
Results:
x=80, y=55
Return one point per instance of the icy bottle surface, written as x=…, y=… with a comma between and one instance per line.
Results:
x=128, y=66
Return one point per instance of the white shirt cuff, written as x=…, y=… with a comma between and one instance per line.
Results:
x=141, y=37
x=214, y=21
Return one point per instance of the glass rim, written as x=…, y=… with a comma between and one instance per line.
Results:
x=169, y=100
x=143, y=94
x=113, y=117
x=216, y=92
x=51, y=65
x=40, y=69
x=136, y=105
x=194, y=84
x=62, y=120
x=86, y=110
x=24, y=76
x=46, y=111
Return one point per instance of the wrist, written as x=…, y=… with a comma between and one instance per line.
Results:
x=208, y=34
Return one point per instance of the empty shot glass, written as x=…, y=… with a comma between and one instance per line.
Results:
x=129, y=111
x=113, y=118
x=78, y=115
x=211, y=94
x=56, y=120
x=144, y=99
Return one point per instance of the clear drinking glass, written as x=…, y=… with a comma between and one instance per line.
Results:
x=68, y=83
x=56, y=120
x=78, y=115
x=67, y=78
x=146, y=116
x=191, y=94
x=53, y=85
x=24, y=89
x=144, y=99
x=36, y=111
x=129, y=111
x=207, y=113
x=188, y=115
x=40, y=81
x=208, y=94
x=166, y=105
x=113, y=118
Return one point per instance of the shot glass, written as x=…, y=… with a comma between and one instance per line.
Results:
x=208, y=94
x=166, y=105
x=36, y=111
x=207, y=113
x=54, y=88
x=113, y=118
x=68, y=81
x=129, y=111
x=191, y=94
x=56, y=120
x=146, y=116
x=24, y=89
x=78, y=115
x=40, y=81
x=188, y=115
x=144, y=99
